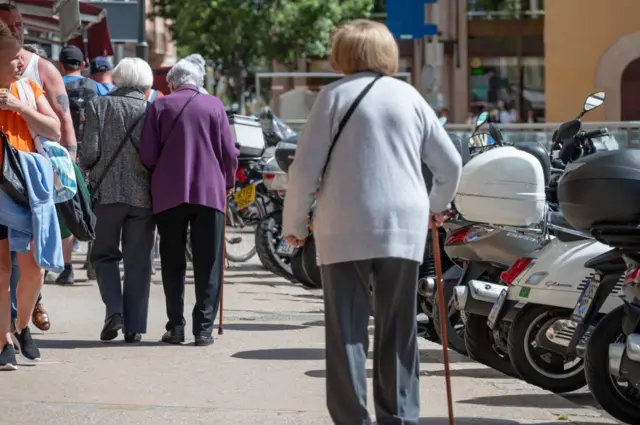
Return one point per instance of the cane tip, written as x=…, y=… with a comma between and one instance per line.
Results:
x=220, y=332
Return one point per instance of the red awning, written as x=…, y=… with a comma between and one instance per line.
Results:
x=39, y=15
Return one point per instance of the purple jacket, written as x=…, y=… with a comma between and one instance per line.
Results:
x=197, y=163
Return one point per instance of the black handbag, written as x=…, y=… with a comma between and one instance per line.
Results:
x=76, y=213
x=13, y=181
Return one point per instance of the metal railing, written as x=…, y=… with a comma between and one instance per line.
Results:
x=627, y=134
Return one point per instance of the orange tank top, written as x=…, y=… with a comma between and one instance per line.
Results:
x=15, y=127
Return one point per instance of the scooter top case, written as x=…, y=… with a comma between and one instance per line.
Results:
x=504, y=186
x=555, y=275
x=603, y=189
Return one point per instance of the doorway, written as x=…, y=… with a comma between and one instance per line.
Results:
x=630, y=88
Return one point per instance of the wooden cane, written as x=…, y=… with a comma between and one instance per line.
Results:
x=224, y=261
x=443, y=318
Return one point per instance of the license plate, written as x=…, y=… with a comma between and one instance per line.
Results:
x=583, y=306
x=285, y=249
x=245, y=196
x=497, y=309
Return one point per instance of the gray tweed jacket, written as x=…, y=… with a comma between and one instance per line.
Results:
x=108, y=119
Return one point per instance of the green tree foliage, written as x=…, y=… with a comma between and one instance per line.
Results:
x=240, y=35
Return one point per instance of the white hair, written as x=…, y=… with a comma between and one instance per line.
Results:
x=133, y=73
x=185, y=72
x=198, y=60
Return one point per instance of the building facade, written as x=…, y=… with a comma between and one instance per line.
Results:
x=591, y=46
x=486, y=49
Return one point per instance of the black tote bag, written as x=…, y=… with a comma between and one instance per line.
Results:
x=12, y=180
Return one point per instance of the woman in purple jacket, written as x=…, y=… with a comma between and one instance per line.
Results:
x=187, y=142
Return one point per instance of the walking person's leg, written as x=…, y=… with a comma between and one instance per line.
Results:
x=346, y=314
x=396, y=359
x=28, y=290
x=207, y=236
x=172, y=226
x=13, y=284
x=137, y=244
x=7, y=350
x=67, y=276
x=105, y=260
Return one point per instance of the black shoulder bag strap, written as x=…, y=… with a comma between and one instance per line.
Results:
x=113, y=158
x=175, y=120
x=345, y=119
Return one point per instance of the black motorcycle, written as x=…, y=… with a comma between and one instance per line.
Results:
x=601, y=194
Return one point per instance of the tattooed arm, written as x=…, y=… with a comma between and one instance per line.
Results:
x=57, y=96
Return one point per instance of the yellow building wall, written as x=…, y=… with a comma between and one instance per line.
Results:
x=577, y=33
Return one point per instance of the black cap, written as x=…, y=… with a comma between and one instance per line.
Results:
x=71, y=55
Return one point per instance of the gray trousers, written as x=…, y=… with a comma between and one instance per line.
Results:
x=396, y=362
x=130, y=298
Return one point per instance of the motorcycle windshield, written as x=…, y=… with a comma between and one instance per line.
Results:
x=281, y=128
x=605, y=143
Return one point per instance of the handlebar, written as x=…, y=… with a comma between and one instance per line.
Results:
x=593, y=134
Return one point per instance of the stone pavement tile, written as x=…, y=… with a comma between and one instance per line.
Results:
x=266, y=369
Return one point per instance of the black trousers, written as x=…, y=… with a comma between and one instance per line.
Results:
x=207, y=237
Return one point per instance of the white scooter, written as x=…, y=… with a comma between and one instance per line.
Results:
x=550, y=282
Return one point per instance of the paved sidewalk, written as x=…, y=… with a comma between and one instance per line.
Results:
x=267, y=369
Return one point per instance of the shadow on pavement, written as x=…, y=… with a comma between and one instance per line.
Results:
x=485, y=421
x=582, y=398
x=282, y=354
x=479, y=373
x=426, y=356
x=245, y=267
x=261, y=282
x=520, y=400
x=319, y=323
x=71, y=344
x=262, y=327
x=309, y=296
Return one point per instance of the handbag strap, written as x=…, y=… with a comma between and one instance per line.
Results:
x=175, y=120
x=115, y=155
x=345, y=119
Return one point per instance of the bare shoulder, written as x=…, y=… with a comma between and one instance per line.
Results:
x=51, y=78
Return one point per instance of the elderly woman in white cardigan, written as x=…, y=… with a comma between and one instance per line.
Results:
x=371, y=219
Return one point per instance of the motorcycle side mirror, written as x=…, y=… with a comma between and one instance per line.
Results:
x=594, y=100
x=482, y=118
x=443, y=120
x=569, y=129
x=496, y=133
x=481, y=140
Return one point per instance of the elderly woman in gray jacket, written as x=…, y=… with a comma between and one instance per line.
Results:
x=371, y=220
x=123, y=204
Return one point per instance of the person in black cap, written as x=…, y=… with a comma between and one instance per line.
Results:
x=80, y=91
x=100, y=72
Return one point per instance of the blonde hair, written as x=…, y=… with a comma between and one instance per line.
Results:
x=364, y=45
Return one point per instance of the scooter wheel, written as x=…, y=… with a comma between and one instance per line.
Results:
x=455, y=325
x=534, y=364
x=602, y=385
x=481, y=346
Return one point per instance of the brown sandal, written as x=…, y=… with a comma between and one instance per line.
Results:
x=40, y=318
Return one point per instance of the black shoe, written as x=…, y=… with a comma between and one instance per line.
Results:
x=174, y=336
x=66, y=277
x=203, y=341
x=8, y=358
x=132, y=338
x=29, y=351
x=91, y=273
x=111, y=327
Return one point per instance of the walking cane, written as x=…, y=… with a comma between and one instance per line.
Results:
x=443, y=319
x=224, y=261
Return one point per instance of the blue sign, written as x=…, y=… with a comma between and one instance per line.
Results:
x=406, y=20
